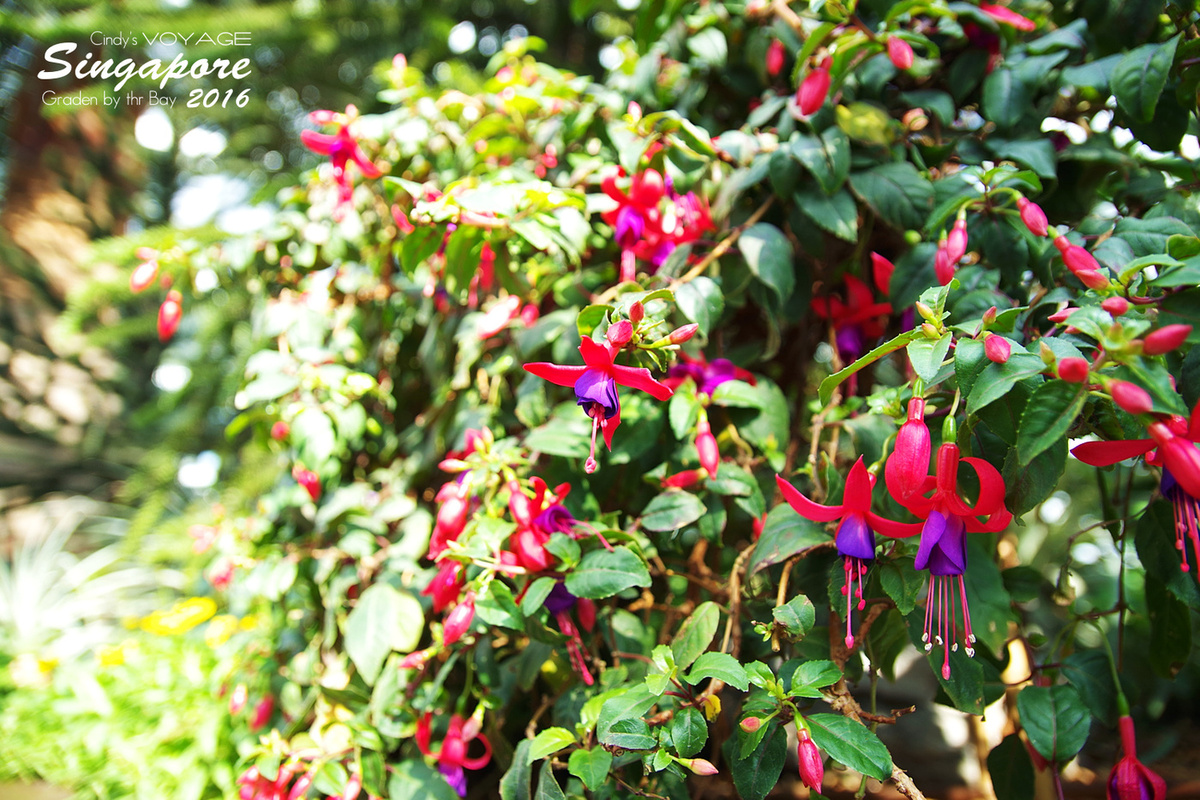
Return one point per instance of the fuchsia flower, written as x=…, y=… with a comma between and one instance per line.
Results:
x=647, y=228
x=459, y=620
x=855, y=538
x=452, y=756
x=308, y=480
x=595, y=384
x=1172, y=446
x=146, y=272
x=775, y=56
x=812, y=765
x=451, y=516
x=706, y=448
x=943, y=545
x=560, y=602
x=1130, y=779
x=170, y=314
x=446, y=585
x=857, y=321
x=342, y=148
x=707, y=375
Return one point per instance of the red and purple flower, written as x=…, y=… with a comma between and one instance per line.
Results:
x=1130, y=779
x=855, y=538
x=595, y=384
x=342, y=148
x=452, y=756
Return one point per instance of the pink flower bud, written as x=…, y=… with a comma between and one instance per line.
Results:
x=280, y=430
x=706, y=448
x=882, y=270
x=353, y=787
x=905, y=470
x=262, y=713
x=1033, y=217
x=1165, y=339
x=1092, y=279
x=446, y=585
x=619, y=333
x=683, y=333
x=308, y=480
x=989, y=317
x=997, y=349
x=585, y=609
x=813, y=91
x=1063, y=315
x=943, y=267
x=402, y=221
x=775, y=56
x=1131, y=398
x=1115, y=305
x=637, y=312
x=956, y=242
x=1007, y=16
x=529, y=315
x=750, y=724
x=699, y=766
x=1074, y=369
x=685, y=479
x=1079, y=260
x=416, y=660
x=459, y=619
x=143, y=276
x=169, y=315
x=300, y=787
x=900, y=52
x=812, y=766
x=529, y=546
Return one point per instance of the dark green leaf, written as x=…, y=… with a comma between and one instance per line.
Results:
x=1170, y=629
x=826, y=156
x=768, y=253
x=695, y=634
x=629, y=734
x=756, y=775
x=902, y=583
x=689, y=731
x=836, y=213
x=1011, y=769
x=797, y=616
x=1139, y=78
x=721, y=666
x=852, y=744
x=784, y=534
x=897, y=192
x=603, y=573
x=701, y=301
x=591, y=766
x=672, y=510
x=812, y=676
x=548, y=788
x=1029, y=485
x=1055, y=719
x=1089, y=672
x=1048, y=416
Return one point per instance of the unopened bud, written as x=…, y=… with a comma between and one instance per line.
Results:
x=637, y=312
x=683, y=333
x=1047, y=354
x=1033, y=217
x=1115, y=305
x=453, y=465
x=956, y=242
x=750, y=724
x=1130, y=397
x=685, y=479
x=989, y=317
x=1073, y=369
x=900, y=52
x=699, y=766
x=1165, y=339
x=1063, y=315
x=1092, y=279
x=930, y=331
x=882, y=271
x=997, y=349
x=925, y=311
x=619, y=333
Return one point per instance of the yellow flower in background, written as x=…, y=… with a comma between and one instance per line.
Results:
x=219, y=630
x=249, y=622
x=181, y=617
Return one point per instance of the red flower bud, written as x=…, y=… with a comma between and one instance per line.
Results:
x=1115, y=305
x=143, y=276
x=586, y=611
x=683, y=333
x=1131, y=398
x=706, y=448
x=997, y=348
x=459, y=619
x=882, y=270
x=647, y=188
x=956, y=242
x=813, y=91
x=1165, y=339
x=685, y=479
x=907, y=467
x=169, y=315
x=775, y=56
x=1033, y=217
x=446, y=585
x=416, y=660
x=529, y=545
x=750, y=724
x=1007, y=16
x=900, y=52
x=262, y=713
x=1079, y=260
x=402, y=221
x=1093, y=279
x=637, y=312
x=619, y=333
x=1074, y=369
x=1063, y=315
x=529, y=315
x=812, y=766
x=943, y=267
x=309, y=480
x=280, y=430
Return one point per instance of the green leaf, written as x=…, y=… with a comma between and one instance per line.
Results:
x=902, y=583
x=756, y=775
x=1011, y=769
x=836, y=214
x=1170, y=629
x=709, y=46
x=629, y=734
x=550, y=741
x=1055, y=719
x=629, y=704
x=689, y=731
x=682, y=412
x=738, y=394
x=658, y=680
x=671, y=510
x=498, y=608
x=812, y=676
x=721, y=666
x=1048, y=416
x=768, y=253
x=1029, y=485
x=1037, y=154
x=603, y=573
x=1006, y=97
x=927, y=355
x=996, y=379
x=797, y=616
x=696, y=634
x=1139, y=78
x=1088, y=671
x=548, y=788
x=591, y=766
x=536, y=595
x=825, y=391
x=701, y=301
x=784, y=534
x=852, y=744
x=413, y=778
x=383, y=620
x=897, y=192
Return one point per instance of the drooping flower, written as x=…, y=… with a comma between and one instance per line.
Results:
x=706, y=447
x=812, y=765
x=595, y=386
x=262, y=713
x=857, y=321
x=1130, y=779
x=1173, y=446
x=342, y=148
x=452, y=755
x=652, y=219
x=454, y=497
x=906, y=469
x=943, y=546
x=855, y=538
x=560, y=603
x=446, y=585
x=459, y=620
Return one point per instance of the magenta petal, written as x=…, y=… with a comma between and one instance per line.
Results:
x=595, y=355
x=321, y=143
x=1103, y=454
x=637, y=378
x=555, y=373
x=857, y=496
x=455, y=777
x=805, y=507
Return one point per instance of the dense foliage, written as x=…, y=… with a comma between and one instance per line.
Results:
x=879, y=264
